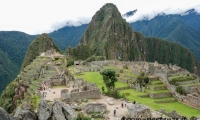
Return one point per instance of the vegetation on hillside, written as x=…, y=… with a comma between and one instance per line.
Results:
x=8, y=70
x=68, y=36
x=7, y=97
x=80, y=52
x=182, y=29
x=41, y=44
x=142, y=79
x=109, y=35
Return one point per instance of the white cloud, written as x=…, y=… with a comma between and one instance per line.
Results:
x=38, y=16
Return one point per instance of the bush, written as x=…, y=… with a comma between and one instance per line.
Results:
x=81, y=116
x=180, y=90
x=173, y=82
x=114, y=93
x=70, y=62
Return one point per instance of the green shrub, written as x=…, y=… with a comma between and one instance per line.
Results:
x=114, y=93
x=81, y=116
x=70, y=62
x=180, y=90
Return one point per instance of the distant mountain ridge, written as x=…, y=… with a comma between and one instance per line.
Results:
x=182, y=29
x=108, y=34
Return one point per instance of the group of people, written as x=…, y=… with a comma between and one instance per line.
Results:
x=123, y=105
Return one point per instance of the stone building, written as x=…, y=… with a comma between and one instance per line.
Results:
x=87, y=91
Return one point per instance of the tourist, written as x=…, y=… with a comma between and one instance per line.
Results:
x=114, y=113
x=49, y=89
x=43, y=94
x=122, y=105
x=125, y=105
x=134, y=102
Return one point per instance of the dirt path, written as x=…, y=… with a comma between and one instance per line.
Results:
x=120, y=112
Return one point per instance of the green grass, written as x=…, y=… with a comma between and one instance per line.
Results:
x=156, y=82
x=179, y=107
x=157, y=91
x=35, y=101
x=95, y=77
x=192, y=84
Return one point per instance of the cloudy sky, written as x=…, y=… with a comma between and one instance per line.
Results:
x=39, y=16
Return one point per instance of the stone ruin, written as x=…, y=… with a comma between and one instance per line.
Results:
x=147, y=67
x=94, y=107
x=172, y=114
x=87, y=90
x=139, y=111
x=193, y=99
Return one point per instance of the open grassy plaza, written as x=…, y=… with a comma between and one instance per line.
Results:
x=142, y=97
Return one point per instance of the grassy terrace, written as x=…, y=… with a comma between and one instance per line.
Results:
x=179, y=107
x=193, y=84
x=157, y=91
x=156, y=82
x=95, y=77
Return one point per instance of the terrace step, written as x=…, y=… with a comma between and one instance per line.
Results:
x=160, y=95
x=158, y=87
x=166, y=100
x=30, y=92
x=156, y=82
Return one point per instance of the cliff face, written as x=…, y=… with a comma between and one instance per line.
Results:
x=108, y=34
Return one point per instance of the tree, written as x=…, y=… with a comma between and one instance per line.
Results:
x=142, y=79
x=109, y=78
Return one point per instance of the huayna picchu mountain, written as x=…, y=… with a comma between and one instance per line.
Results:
x=41, y=44
x=110, y=35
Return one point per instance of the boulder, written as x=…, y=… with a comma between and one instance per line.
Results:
x=94, y=107
x=44, y=110
x=139, y=111
x=28, y=115
x=57, y=111
x=26, y=106
x=4, y=115
x=68, y=111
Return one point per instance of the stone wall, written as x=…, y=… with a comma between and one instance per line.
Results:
x=189, y=89
x=157, y=87
x=94, y=107
x=160, y=95
x=172, y=114
x=192, y=100
x=188, y=82
x=139, y=111
x=71, y=97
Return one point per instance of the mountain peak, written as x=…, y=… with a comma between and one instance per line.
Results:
x=108, y=32
x=41, y=44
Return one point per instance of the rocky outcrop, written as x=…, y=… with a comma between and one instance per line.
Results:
x=139, y=111
x=62, y=111
x=44, y=110
x=68, y=111
x=94, y=107
x=4, y=115
x=57, y=111
x=26, y=113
